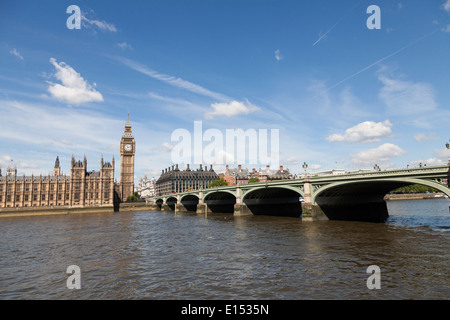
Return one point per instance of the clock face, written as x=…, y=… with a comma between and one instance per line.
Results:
x=127, y=147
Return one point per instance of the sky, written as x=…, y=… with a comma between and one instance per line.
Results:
x=342, y=94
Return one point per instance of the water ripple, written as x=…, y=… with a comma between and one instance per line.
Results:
x=160, y=255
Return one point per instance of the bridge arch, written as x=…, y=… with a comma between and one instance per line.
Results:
x=215, y=190
x=222, y=201
x=190, y=202
x=274, y=200
x=363, y=200
x=171, y=202
x=159, y=202
x=298, y=189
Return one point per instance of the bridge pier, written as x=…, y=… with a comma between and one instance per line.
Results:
x=180, y=208
x=241, y=210
x=165, y=207
x=312, y=212
x=203, y=209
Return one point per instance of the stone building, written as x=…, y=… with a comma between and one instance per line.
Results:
x=271, y=175
x=81, y=188
x=239, y=175
x=127, y=153
x=174, y=180
x=146, y=187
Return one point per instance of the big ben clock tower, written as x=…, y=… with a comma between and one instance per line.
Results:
x=127, y=151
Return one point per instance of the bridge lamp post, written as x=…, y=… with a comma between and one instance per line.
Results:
x=305, y=165
x=448, y=147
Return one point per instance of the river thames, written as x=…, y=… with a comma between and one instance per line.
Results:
x=163, y=255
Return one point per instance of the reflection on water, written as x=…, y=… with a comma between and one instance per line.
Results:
x=160, y=255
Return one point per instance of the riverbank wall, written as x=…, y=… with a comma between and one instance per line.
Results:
x=137, y=206
x=45, y=211
x=413, y=196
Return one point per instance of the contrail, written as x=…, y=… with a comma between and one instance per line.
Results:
x=342, y=18
x=377, y=62
x=171, y=80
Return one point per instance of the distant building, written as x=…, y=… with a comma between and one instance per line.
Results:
x=146, y=187
x=239, y=175
x=10, y=171
x=242, y=176
x=334, y=172
x=361, y=171
x=174, y=180
x=271, y=175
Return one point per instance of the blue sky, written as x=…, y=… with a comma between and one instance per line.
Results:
x=342, y=95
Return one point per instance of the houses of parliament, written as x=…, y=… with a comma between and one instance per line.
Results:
x=82, y=188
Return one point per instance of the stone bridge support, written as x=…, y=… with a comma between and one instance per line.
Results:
x=240, y=208
x=202, y=208
x=180, y=208
x=310, y=210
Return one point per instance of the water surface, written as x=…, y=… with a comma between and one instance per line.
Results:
x=162, y=255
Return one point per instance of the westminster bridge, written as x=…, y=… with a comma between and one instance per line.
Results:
x=353, y=196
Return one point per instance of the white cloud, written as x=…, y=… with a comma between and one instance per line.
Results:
x=74, y=89
x=124, y=45
x=102, y=25
x=446, y=6
x=440, y=157
x=8, y=161
x=443, y=154
x=16, y=53
x=378, y=155
x=231, y=109
x=446, y=29
x=315, y=166
x=429, y=162
x=65, y=128
x=167, y=146
x=425, y=137
x=292, y=161
x=405, y=97
x=364, y=132
x=278, y=56
x=227, y=157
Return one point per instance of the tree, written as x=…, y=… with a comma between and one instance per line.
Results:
x=414, y=188
x=217, y=183
x=132, y=198
x=253, y=180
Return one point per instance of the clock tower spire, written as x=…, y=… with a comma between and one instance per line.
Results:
x=127, y=152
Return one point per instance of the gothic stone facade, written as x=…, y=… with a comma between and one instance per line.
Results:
x=82, y=188
x=127, y=152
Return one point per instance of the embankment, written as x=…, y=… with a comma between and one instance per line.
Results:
x=413, y=196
